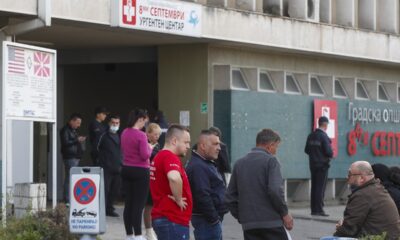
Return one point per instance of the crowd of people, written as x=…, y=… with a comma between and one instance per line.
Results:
x=169, y=196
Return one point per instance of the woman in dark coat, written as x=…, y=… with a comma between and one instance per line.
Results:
x=382, y=172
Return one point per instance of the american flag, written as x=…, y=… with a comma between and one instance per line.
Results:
x=16, y=60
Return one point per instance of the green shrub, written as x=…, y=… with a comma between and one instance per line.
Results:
x=375, y=237
x=46, y=225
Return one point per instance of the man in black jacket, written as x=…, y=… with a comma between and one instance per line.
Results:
x=208, y=188
x=71, y=148
x=255, y=193
x=96, y=129
x=319, y=149
x=109, y=155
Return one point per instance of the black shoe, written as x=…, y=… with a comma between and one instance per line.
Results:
x=112, y=214
x=322, y=214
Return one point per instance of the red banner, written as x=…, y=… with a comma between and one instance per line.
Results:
x=328, y=108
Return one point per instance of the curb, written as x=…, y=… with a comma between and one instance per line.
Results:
x=313, y=218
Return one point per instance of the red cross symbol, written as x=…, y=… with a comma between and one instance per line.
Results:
x=129, y=11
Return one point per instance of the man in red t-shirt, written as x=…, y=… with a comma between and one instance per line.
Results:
x=170, y=189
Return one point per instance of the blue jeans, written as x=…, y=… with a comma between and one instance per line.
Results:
x=203, y=230
x=167, y=230
x=68, y=164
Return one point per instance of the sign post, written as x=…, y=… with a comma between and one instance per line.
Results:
x=87, y=201
x=29, y=93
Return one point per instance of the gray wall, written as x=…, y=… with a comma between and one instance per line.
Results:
x=183, y=83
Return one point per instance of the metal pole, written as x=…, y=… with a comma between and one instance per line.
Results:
x=88, y=237
x=54, y=159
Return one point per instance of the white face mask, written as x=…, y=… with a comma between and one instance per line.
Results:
x=114, y=129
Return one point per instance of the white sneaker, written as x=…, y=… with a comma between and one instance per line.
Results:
x=150, y=234
x=131, y=237
x=139, y=238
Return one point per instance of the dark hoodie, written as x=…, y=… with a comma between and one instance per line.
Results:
x=382, y=172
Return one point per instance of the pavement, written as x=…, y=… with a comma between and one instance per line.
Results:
x=231, y=228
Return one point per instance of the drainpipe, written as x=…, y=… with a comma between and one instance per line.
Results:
x=43, y=20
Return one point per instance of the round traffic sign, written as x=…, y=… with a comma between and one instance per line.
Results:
x=84, y=191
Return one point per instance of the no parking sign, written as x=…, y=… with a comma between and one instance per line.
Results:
x=87, y=213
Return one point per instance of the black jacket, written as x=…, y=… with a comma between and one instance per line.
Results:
x=319, y=149
x=255, y=194
x=394, y=192
x=96, y=129
x=70, y=146
x=109, y=152
x=208, y=188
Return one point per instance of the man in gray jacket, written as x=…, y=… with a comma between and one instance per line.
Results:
x=255, y=194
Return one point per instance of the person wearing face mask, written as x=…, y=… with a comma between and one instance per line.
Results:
x=109, y=155
x=135, y=172
x=369, y=210
x=208, y=188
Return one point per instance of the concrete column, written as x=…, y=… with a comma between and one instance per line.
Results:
x=367, y=16
x=303, y=191
x=330, y=190
x=304, y=9
x=218, y=3
x=346, y=13
x=183, y=83
x=248, y=5
x=230, y=4
x=259, y=6
x=274, y=7
x=325, y=11
x=388, y=16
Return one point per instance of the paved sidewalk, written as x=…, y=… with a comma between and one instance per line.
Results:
x=335, y=213
x=231, y=228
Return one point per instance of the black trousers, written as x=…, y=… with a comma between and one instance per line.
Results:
x=319, y=177
x=112, y=184
x=136, y=182
x=266, y=234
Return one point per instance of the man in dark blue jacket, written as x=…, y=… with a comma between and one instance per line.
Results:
x=208, y=188
x=109, y=156
x=319, y=150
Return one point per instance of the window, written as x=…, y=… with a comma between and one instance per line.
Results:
x=291, y=85
x=238, y=80
x=361, y=91
x=398, y=93
x=382, y=93
x=315, y=87
x=265, y=83
x=339, y=90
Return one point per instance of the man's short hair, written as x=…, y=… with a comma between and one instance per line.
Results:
x=323, y=120
x=208, y=132
x=75, y=116
x=100, y=109
x=115, y=116
x=266, y=136
x=175, y=130
x=216, y=131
